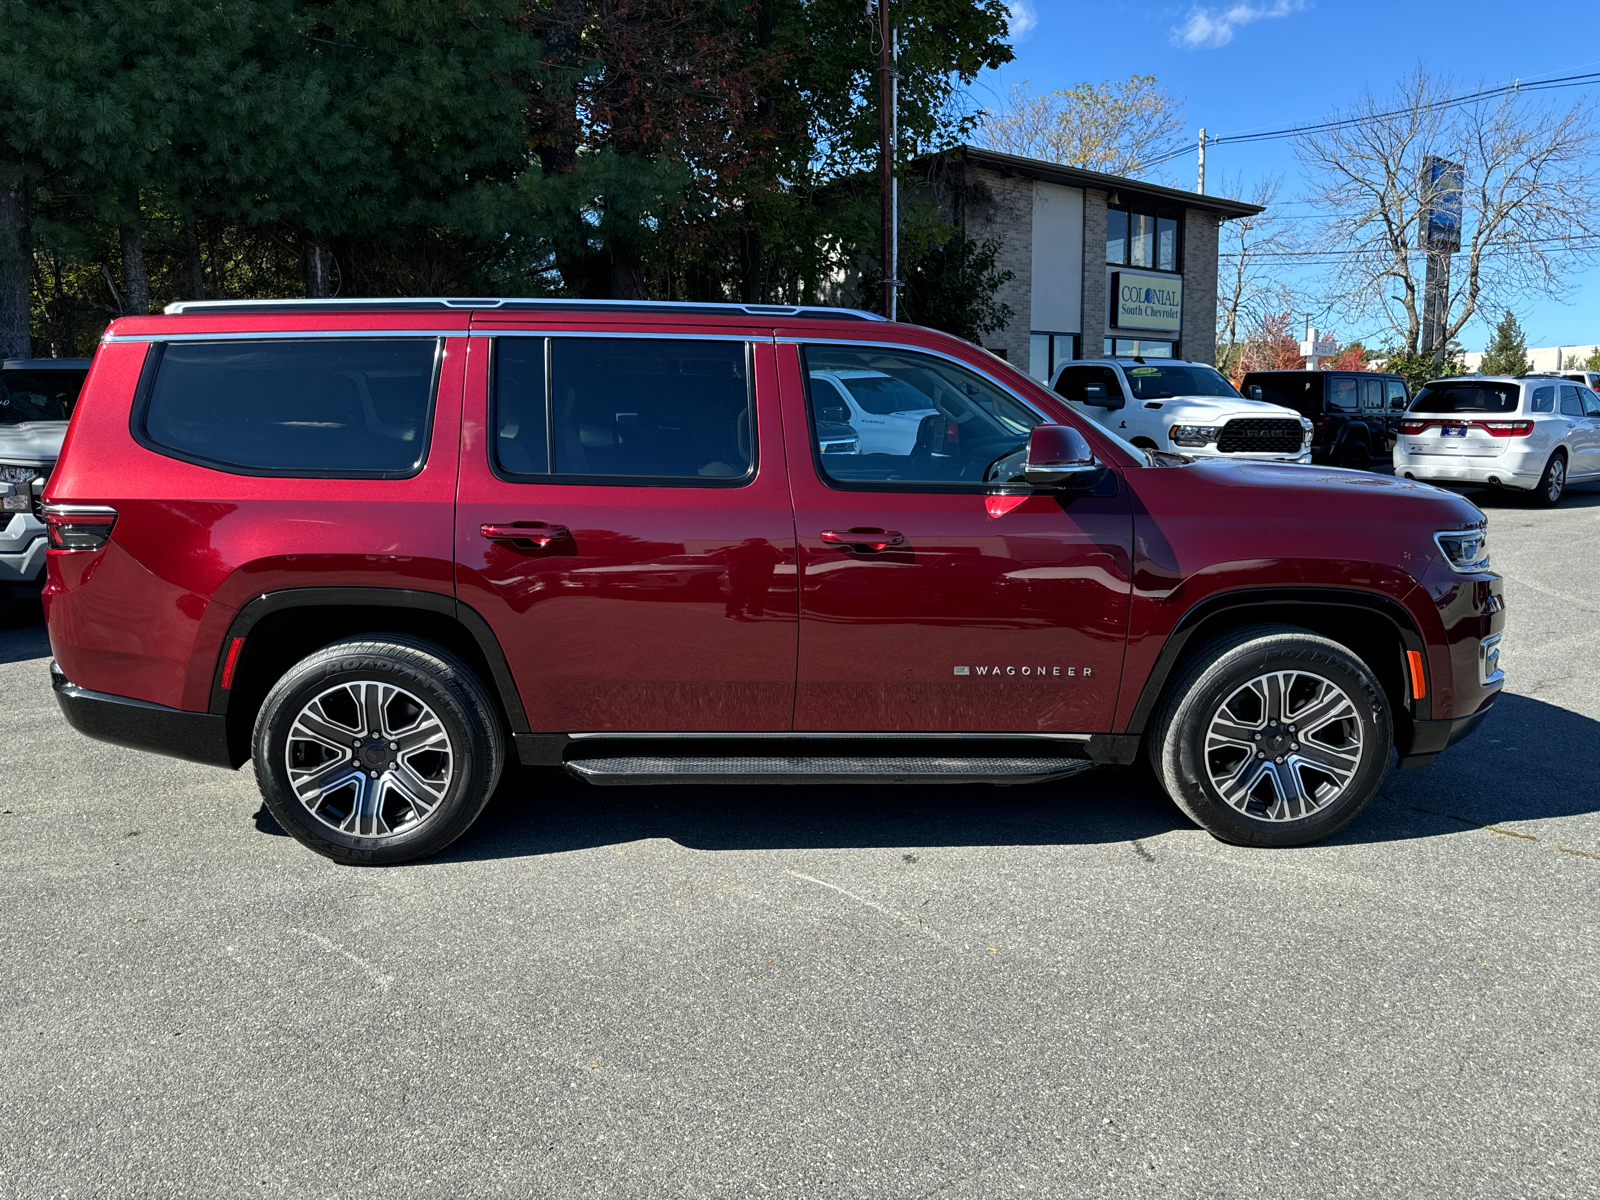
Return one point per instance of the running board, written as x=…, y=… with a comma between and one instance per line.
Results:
x=636, y=770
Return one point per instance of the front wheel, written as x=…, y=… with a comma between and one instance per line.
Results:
x=1272, y=736
x=378, y=750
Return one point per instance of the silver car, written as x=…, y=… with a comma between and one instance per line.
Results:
x=36, y=400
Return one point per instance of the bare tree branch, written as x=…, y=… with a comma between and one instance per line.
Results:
x=1530, y=203
x=1248, y=291
x=1115, y=126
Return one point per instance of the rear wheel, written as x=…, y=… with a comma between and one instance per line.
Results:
x=378, y=750
x=1272, y=736
x=1552, y=483
x=1355, y=456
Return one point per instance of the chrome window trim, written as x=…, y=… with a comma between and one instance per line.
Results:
x=636, y=335
x=278, y=335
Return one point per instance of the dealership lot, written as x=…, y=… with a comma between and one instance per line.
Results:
x=1062, y=990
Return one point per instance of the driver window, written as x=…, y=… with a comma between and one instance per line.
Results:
x=969, y=430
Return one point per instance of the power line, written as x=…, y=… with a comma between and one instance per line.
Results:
x=1586, y=79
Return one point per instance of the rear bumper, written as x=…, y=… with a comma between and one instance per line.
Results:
x=1431, y=738
x=1514, y=468
x=139, y=725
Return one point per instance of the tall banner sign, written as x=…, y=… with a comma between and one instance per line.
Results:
x=1153, y=302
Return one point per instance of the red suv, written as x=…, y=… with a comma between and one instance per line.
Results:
x=379, y=546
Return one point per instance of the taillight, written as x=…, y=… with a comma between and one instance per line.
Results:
x=1508, y=428
x=78, y=526
x=1413, y=427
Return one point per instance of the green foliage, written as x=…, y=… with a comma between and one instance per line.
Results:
x=1507, y=353
x=1419, y=368
x=1592, y=363
x=950, y=280
x=669, y=148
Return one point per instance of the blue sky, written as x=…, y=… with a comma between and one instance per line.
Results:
x=1263, y=64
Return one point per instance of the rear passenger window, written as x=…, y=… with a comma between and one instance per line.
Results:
x=1544, y=400
x=1571, y=406
x=328, y=408
x=1343, y=394
x=616, y=410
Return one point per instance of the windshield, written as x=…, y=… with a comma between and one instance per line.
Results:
x=882, y=395
x=1162, y=383
x=1467, y=398
x=38, y=395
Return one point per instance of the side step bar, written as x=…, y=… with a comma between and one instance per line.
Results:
x=635, y=770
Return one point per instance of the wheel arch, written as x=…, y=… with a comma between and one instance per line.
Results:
x=1377, y=629
x=280, y=628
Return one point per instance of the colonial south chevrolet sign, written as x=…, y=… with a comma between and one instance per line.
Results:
x=1146, y=301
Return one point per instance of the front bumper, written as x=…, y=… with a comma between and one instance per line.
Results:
x=22, y=547
x=1211, y=451
x=139, y=725
x=1429, y=739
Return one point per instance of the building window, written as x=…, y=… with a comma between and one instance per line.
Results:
x=1137, y=347
x=1047, y=351
x=1141, y=234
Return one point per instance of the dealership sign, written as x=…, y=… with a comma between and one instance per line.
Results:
x=1146, y=301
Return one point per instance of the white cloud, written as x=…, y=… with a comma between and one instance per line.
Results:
x=1208, y=28
x=1023, y=18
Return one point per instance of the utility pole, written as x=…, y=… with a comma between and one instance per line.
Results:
x=890, y=254
x=1202, y=162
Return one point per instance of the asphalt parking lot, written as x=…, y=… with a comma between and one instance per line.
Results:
x=1064, y=990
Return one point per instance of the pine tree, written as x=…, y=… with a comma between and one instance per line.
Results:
x=1507, y=354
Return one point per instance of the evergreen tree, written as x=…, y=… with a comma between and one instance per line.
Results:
x=1507, y=353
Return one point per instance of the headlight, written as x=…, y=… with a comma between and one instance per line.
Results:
x=16, y=484
x=1194, y=435
x=1306, y=426
x=1466, y=550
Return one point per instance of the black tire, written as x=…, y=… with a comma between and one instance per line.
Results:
x=453, y=758
x=1552, y=484
x=1355, y=456
x=1224, y=667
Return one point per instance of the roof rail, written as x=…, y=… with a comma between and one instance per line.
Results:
x=502, y=304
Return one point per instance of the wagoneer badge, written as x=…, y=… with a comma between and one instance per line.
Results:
x=1085, y=672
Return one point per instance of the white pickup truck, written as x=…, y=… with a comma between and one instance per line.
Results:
x=1187, y=407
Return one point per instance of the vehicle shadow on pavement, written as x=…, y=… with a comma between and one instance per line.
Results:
x=24, y=638
x=1577, y=495
x=1528, y=761
x=548, y=812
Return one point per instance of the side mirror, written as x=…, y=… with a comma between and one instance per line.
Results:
x=1059, y=456
x=1253, y=392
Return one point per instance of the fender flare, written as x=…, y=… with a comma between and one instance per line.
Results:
x=1244, y=599
x=360, y=597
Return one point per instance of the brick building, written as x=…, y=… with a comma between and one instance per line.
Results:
x=1100, y=264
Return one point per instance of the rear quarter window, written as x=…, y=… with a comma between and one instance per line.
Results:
x=324, y=408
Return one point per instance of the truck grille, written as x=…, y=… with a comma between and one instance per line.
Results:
x=1261, y=435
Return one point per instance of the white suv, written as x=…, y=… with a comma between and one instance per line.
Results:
x=1533, y=433
x=885, y=412
x=1168, y=404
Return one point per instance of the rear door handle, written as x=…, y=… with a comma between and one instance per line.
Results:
x=536, y=532
x=863, y=539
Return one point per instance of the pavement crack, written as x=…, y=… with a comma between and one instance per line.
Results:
x=1503, y=831
x=1138, y=848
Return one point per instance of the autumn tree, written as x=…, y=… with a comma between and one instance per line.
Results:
x=1251, y=284
x=1117, y=126
x=1270, y=346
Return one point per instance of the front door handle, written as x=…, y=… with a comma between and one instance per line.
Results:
x=863, y=538
x=535, y=532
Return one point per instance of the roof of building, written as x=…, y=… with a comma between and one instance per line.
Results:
x=1078, y=177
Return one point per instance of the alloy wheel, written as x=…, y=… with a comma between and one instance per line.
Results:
x=1283, y=746
x=1558, y=479
x=369, y=759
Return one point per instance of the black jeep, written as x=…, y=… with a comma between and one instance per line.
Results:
x=1355, y=415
